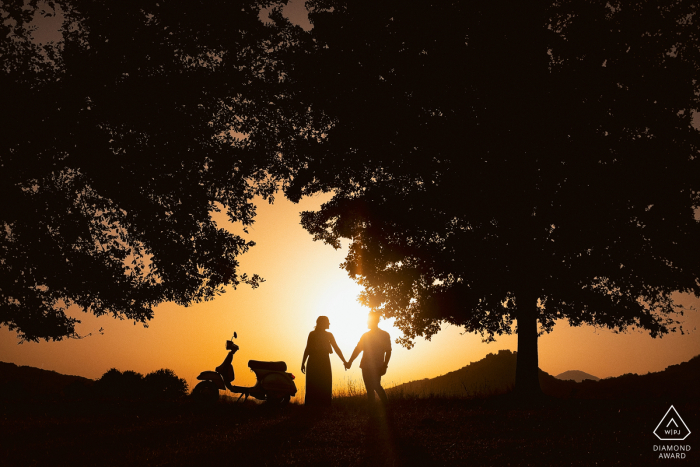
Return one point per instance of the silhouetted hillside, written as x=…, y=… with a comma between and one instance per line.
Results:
x=495, y=374
x=576, y=375
x=677, y=381
x=18, y=382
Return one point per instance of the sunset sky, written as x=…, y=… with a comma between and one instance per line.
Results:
x=303, y=281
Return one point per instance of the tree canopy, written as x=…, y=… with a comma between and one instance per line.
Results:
x=496, y=162
x=119, y=141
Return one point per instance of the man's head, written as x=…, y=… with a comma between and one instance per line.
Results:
x=373, y=320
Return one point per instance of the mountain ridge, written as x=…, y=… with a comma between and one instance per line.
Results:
x=576, y=375
x=17, y=381
x=495, y=374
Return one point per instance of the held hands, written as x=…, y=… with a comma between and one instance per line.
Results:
x=347, y=365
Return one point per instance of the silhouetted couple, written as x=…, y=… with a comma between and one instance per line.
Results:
x=375, y=346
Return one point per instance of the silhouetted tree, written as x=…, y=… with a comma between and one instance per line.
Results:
x=162, y=384
x=119, y=141
x=496, y=162
x=165, y=384
x=115, y=384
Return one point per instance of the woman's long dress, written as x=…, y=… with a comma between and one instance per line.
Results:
x=319, y=378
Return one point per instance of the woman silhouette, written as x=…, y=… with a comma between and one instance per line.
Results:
x=319, y=379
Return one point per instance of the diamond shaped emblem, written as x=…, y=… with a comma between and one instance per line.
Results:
x=672, y=427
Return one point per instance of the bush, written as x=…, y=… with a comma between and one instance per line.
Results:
x=162, y=384
x=117, y=385
x=165, y=385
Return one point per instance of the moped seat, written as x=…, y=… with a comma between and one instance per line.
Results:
x=270, y=366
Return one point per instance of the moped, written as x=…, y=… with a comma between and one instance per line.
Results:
x=273, y=384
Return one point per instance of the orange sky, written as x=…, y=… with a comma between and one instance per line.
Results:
x=303, y=281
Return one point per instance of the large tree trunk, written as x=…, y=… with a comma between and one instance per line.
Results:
x=527, y=380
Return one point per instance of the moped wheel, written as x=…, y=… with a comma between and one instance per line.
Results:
x=206, y=392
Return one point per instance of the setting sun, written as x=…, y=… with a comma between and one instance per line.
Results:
x=348, y=318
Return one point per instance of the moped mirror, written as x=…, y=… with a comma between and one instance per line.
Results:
x=235, y=336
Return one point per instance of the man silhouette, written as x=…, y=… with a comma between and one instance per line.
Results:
x=376, y=347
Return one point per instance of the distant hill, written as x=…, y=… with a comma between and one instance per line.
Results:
x=576, y=375
x=676, y=381
x=26, y=381
x=495, y=374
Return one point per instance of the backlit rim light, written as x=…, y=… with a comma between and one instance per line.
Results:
x=347, y=317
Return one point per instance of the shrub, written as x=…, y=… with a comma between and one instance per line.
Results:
x=117, y=385
x=162, y=384
x=165, y=385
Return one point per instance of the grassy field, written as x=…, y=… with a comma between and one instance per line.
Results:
x=425, y=431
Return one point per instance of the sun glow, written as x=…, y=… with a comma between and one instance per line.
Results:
x=347, y=316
